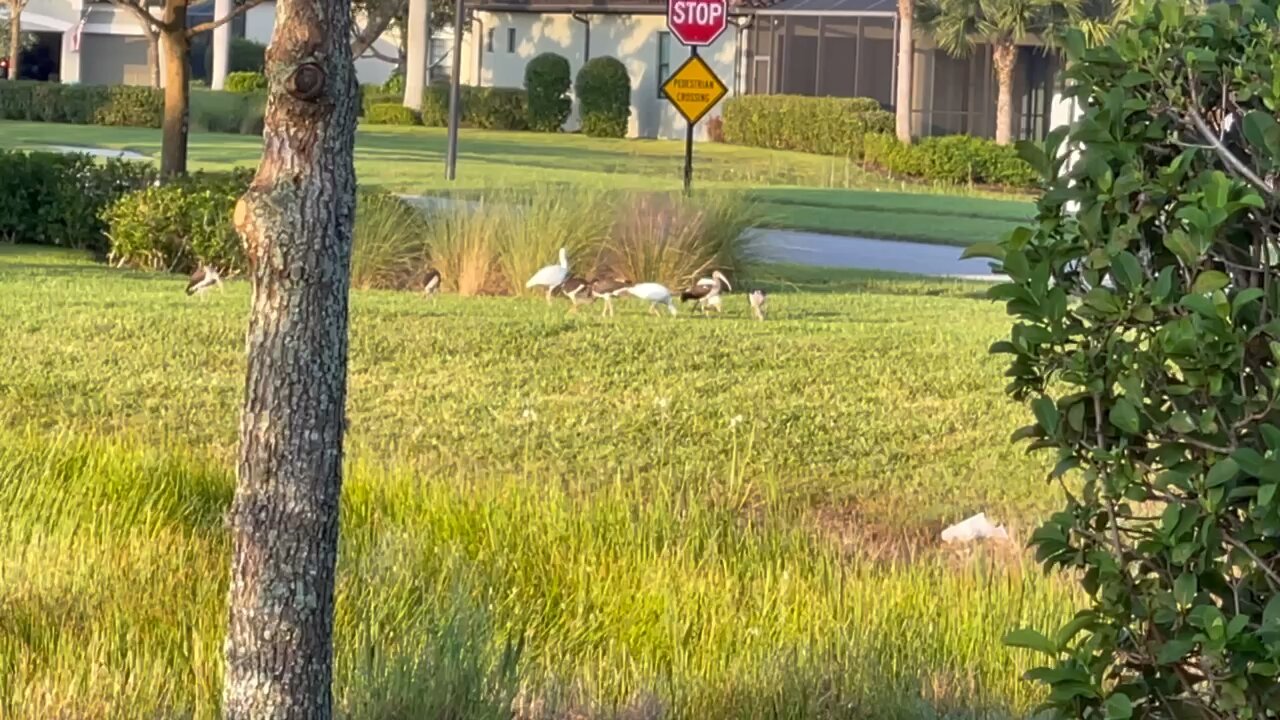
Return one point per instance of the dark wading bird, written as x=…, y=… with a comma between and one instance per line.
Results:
x=203, y=279
x=578, y=290
x=606, y=289
x=707, y=291
x=431, y=287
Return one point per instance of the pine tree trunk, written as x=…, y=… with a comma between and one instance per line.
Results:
x=1005, y=57
x=906, y=55
x=177, y=91
x=15, y=40
x=296, y=220
x=415, y=74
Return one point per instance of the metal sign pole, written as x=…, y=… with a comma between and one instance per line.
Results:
x=688, y=143
x=451, y=160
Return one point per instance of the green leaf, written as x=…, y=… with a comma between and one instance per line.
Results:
x=1124, y=415
x=1262, y=131
x=1180, y=244
x=1184, y=590
x=1164, y=285
x=1031, y=640
x=1127, y=270
x=1082, y=621
x=1210, y=280
x=1046, y=413
x=1222, y=472
x=1174, y=650
x=1181, y=422
x=1267, y=493
x=991, y=250
x=1245, y=297
x=1119, y=707
x=1271, y=613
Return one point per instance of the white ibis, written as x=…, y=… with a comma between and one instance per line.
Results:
x=758, y=299
x=707, y=291
x=432, y=285
x=551, y=276
x=656, y=295
x=578, y=290
x=203, y=279
x=607, y=290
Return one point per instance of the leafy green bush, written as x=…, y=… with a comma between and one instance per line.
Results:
x=56, y=199
x=953, y=159
x=179, y=225
x=126, y=106
x=246, y=56
x=228, y=112
x=603, y=88
x=394, y=84
x=820, y=125
x=391, y=114
x=1146, y=341
x=494, y=108
x=547, y=79
x=245, y=82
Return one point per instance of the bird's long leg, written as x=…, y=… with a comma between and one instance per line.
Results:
x=653, y=308
x=549, y=291
x=608, y=307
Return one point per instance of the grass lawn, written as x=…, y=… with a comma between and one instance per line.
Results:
x=799, y=191
x=569, y=516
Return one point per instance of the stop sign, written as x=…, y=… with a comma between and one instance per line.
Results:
x=697, y=22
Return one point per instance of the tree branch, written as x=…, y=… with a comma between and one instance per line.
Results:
x=151, y=24
x=239, y=10
x=364, y=39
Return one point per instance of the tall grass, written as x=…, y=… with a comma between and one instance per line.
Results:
x=388, y=244
x=488, y=598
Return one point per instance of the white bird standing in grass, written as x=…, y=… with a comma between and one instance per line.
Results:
x=432, y=285
x=758, y=299
x=203, y=279
x=551, y=276
x=656, y=295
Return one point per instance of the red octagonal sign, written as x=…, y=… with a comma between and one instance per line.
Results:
x=697, y=22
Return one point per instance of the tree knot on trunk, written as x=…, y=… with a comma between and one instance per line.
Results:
x=306, y=82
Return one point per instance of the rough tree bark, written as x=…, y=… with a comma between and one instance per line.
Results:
x=906, y=54
x=296, y=221
x=177, y=89
x=15, y=36
x=1004, y=55
x=415, y=75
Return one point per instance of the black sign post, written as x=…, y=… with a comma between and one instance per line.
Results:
x=688, y=143
x=455, y=109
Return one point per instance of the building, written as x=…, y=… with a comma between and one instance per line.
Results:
x=842, y=48
x=113, y=48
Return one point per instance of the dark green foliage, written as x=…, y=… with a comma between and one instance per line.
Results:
x=391, y=114
x=1147, y=343
x=821, y=125
x=181, y=224
x=246, y=56
x=56, y=199
x=547, y=79
x=953, y=159
x=394, y=84
x=244, y=82
x=487, y=108
x=603, y=88
x=127, y=106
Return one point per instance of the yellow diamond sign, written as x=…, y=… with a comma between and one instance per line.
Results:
x=694, y=89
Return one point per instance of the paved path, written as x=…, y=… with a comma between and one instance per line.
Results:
x=806, y=248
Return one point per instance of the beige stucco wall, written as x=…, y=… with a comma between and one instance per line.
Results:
x=116, y=60
x=633, y=39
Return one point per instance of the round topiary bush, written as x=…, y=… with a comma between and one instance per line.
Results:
x=547, y=78
x=245, y=82
x=603, y=88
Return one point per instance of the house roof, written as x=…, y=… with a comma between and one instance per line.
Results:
x=829, y=7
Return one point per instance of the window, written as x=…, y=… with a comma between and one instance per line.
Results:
x=511, y=39
x=664, y=60
x=488, y=40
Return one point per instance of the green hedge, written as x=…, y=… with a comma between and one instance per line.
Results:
x=56, y=199
x=547, y=79
x=246, y=82
x=245, y=56
x=127, y=106
x=181, y=224
x=821, y=125
x=952, y=159
x=482, y=107
x=391, y=114
x=603, y=87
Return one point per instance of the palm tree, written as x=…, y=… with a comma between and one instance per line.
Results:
x=958, y=25
x=906, y=50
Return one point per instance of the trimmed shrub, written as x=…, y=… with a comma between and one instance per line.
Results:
x=391, y=114
x=127, y=106
x=953, y=159
x=820, y=125
x=493, y=108
x=227, y=112
x=246, y=56
x=56, y=199
x=180, y=225
x=244, y=82
x=547, y=79
x=603, y=88
x=394, y=84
